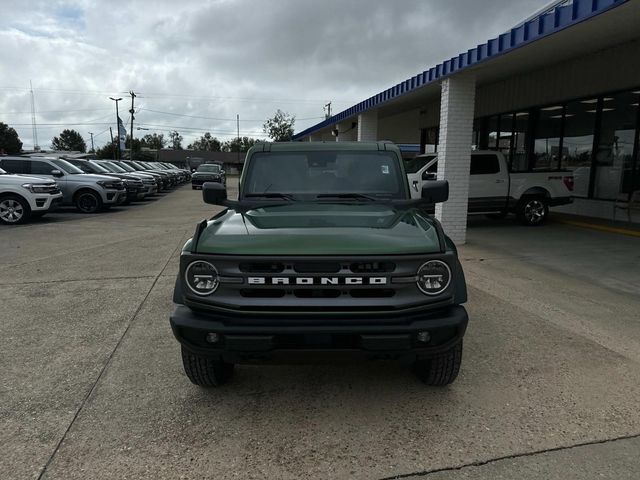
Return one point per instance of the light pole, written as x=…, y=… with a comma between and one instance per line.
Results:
x=117, y=125
x=92, y=149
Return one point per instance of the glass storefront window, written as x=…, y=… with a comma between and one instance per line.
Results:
x=579, y=129
x=493, y=132
x=546, y=145
x=504, y=134
x=518, y=158
x=614, y=156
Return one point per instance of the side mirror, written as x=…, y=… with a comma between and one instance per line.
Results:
x=222, y=172
x=429, y=176
x=436, y=191
x=214, y=193
x=56, y=173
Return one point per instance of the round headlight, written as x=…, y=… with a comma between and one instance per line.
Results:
x=202, y=277
x=434, y=277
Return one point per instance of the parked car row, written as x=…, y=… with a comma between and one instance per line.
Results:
x=32, y=186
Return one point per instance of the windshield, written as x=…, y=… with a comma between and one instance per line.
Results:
x=66, y=166
x=376, y=174
x=110, y=167
x=88, y=167
x=209, y=168
x=124, y=166
x=413, y=165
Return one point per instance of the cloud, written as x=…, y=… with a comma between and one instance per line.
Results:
x=221, y=58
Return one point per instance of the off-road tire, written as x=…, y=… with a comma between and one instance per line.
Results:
x=442, y=369
x=204, y=371
x=15, y=210
x=533, y=211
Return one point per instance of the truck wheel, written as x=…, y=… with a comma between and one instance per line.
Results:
x=88, y=202
x=533, y=211
x=14, y=210
x=204, y=371
x=442, y=369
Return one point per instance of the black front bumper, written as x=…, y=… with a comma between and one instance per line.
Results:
x=198, y=182
x=255, y=339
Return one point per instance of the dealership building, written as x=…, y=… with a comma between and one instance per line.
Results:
x=558, y=92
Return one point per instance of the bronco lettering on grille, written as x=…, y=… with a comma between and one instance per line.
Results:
x=317, y=280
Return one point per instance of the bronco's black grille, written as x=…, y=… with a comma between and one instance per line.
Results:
x=261, y=267
x=372, y=267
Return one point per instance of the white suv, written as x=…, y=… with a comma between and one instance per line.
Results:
x=23, y=197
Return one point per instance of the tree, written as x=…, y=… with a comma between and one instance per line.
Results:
x=153, y=141
x=9, y=141
x=175, y=140
x=69, y=140
x=280, y=127
x=107, y=152
x=207, y=143
x=241, y=144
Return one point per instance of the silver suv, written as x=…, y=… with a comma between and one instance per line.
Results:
x=89, y=193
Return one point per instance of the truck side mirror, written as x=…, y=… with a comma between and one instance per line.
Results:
x=214, y=193
x=429, y=176
x=436, y=191
x=56, y=173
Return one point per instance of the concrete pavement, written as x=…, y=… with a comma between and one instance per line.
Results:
x=92, y=385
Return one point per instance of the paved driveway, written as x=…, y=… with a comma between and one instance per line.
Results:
x=91, y=384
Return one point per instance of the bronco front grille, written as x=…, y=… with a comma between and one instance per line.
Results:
x=314, y=284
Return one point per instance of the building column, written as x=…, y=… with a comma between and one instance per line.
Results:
x=454, y=153
x=315, y=138
x=346, y=132
x=368, y=126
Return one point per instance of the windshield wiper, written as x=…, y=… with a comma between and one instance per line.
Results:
x=357, y=196
x=284, y=196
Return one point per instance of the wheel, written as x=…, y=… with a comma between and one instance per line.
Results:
x=442, y=369
x=88, y=202
x=533, y=211
x=14, y=210
x=204, y=371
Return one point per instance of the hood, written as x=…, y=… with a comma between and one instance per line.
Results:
x=25, y=179
x=91, y=177
x=321, y=229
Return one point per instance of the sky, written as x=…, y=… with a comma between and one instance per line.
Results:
x=195, y=65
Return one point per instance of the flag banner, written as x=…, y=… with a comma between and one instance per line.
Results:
x=122, y=134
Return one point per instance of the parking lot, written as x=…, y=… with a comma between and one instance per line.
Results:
x=92, y=384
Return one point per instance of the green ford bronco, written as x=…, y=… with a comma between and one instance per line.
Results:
x=323, y=253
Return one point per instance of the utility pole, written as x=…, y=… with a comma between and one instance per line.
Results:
x=328, y=108
x=119, y=153
x=92, y=149
x=133, y=95
x=238, y=130
x=111, y=132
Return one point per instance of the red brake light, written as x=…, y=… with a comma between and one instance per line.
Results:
x=568, y=181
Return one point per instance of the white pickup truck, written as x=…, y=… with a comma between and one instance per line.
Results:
x=495, y=191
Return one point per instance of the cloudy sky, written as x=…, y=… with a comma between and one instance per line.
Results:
x=192, y=59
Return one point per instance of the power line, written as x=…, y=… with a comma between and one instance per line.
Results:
x=56, y=111
x=178, y=95
x=218, y=119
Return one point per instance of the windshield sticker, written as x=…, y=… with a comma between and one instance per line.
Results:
x=385, y=169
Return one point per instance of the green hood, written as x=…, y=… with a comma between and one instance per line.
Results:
x=320, y=229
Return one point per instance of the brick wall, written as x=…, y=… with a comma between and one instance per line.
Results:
x=454, y=152
x=368, y=126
